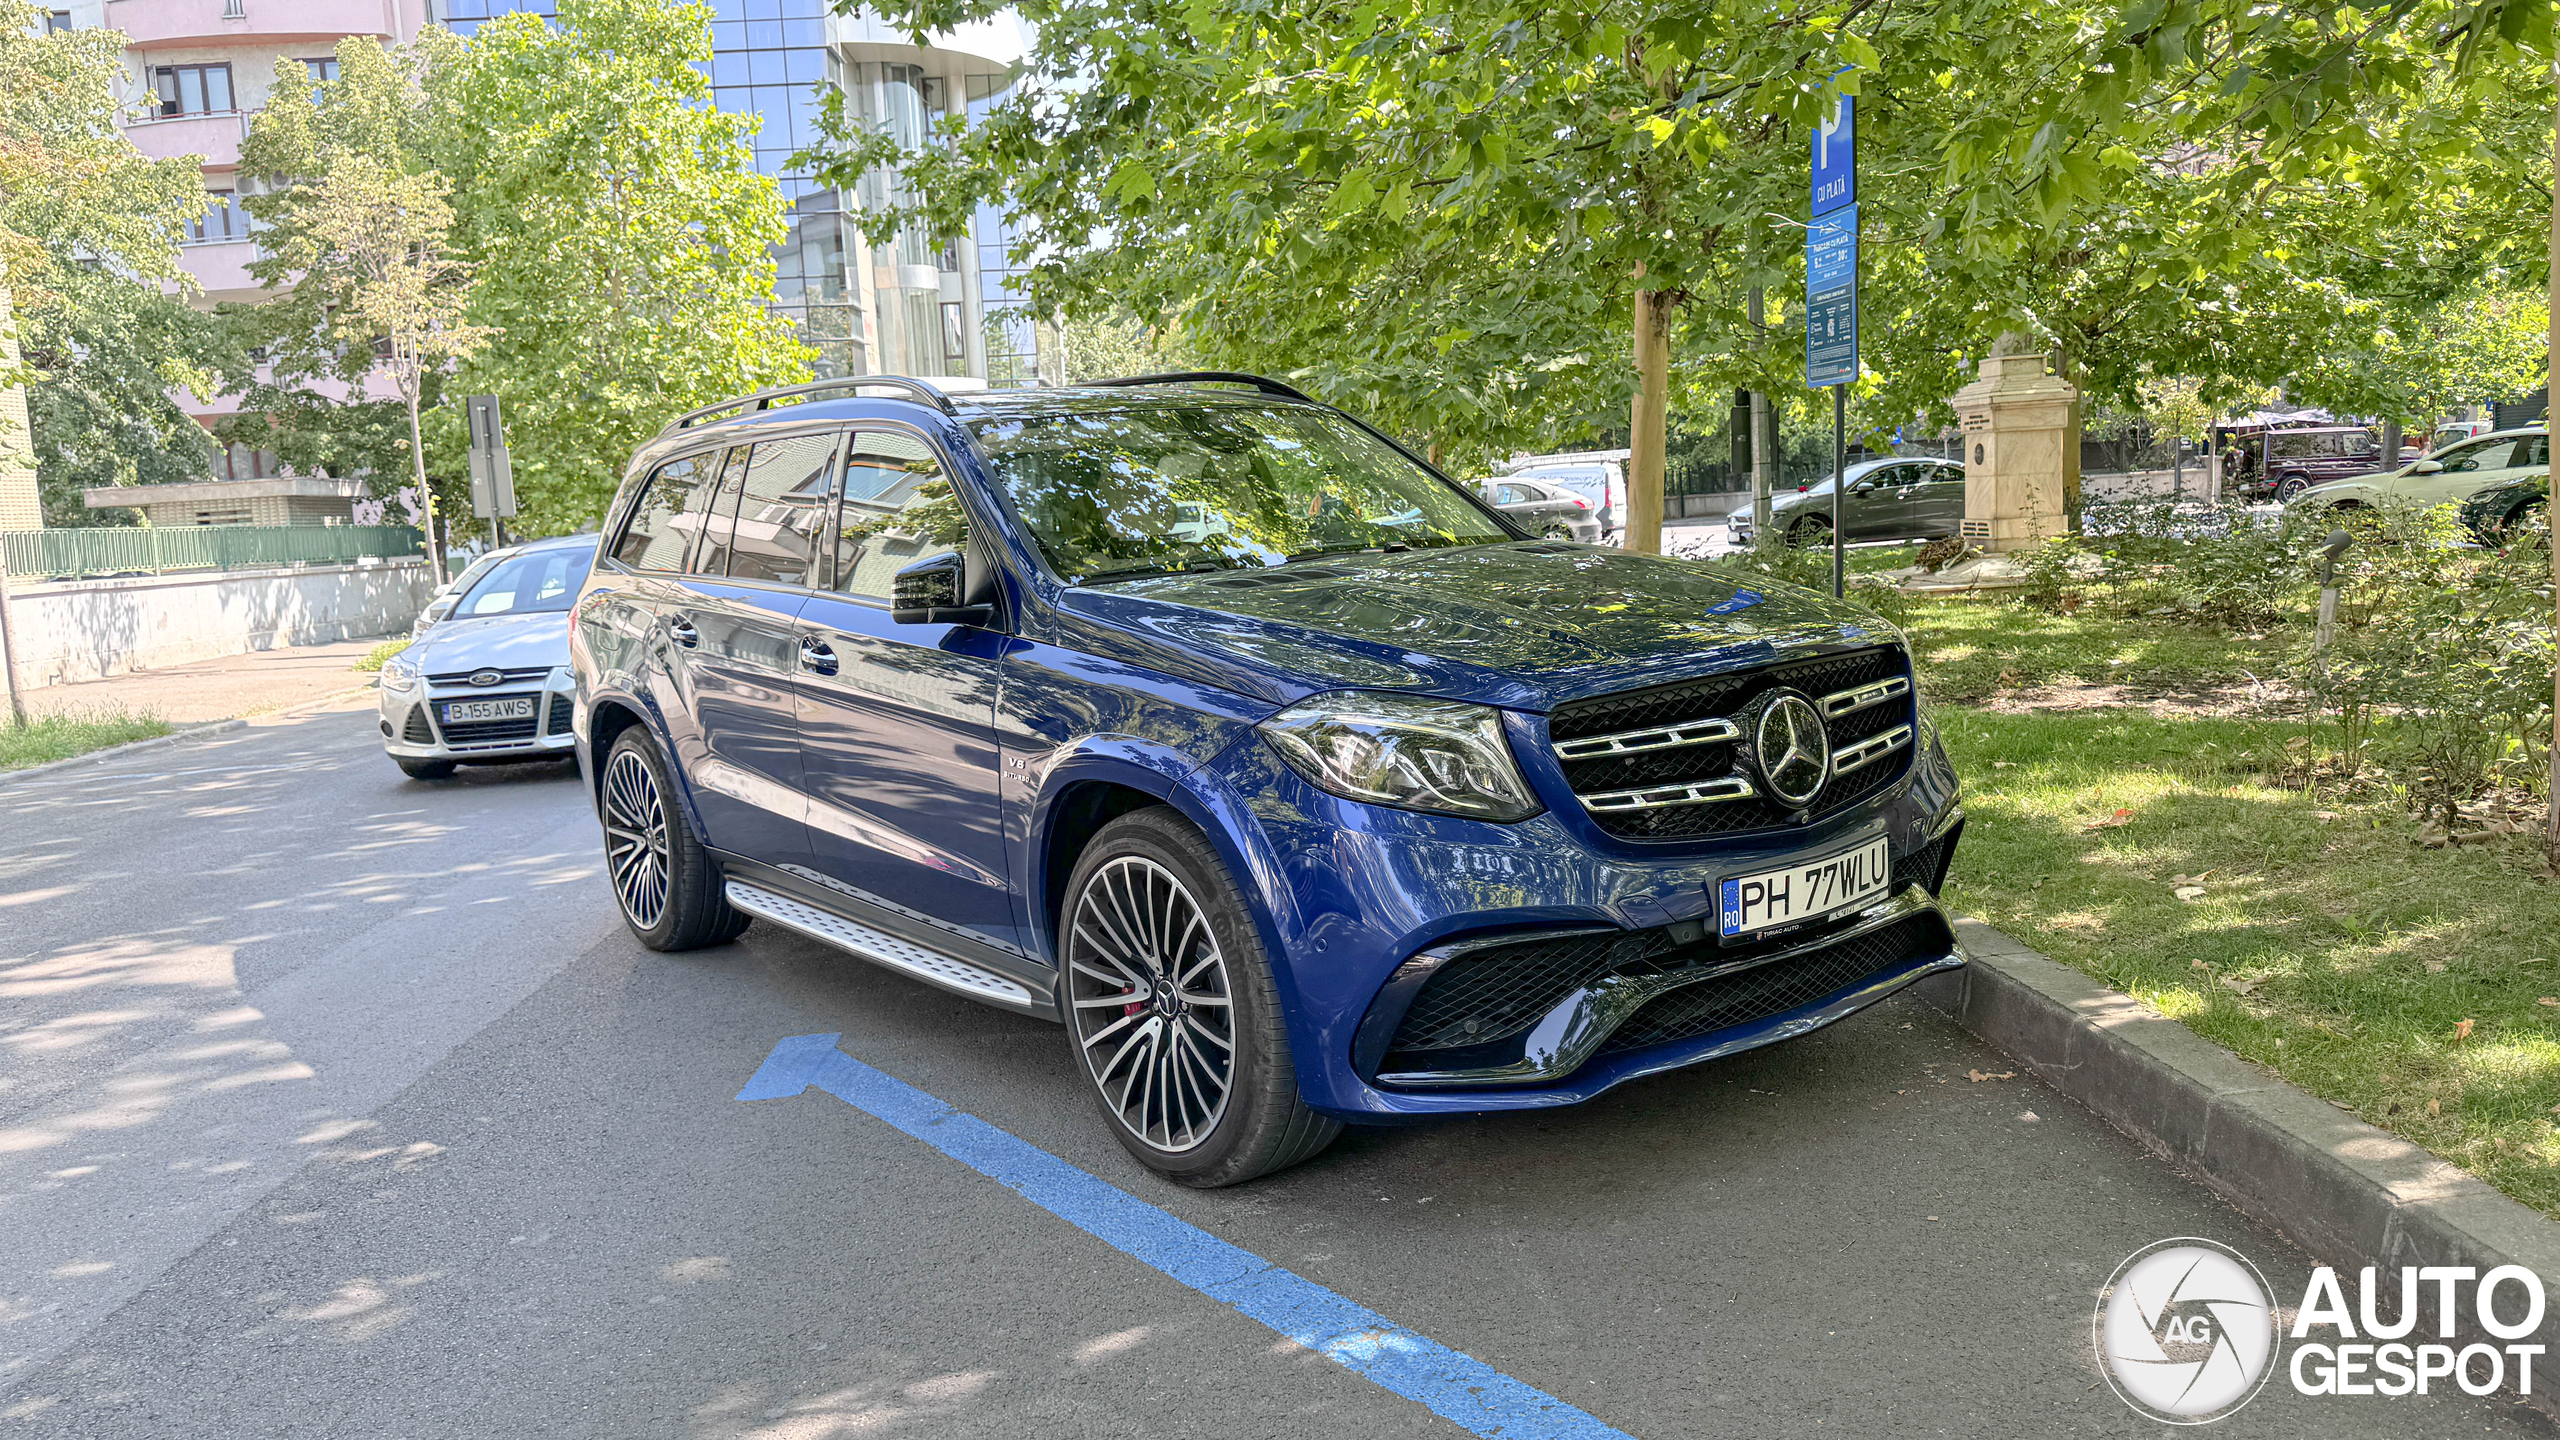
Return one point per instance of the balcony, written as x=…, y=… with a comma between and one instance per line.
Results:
x=215, y=137
x=158, y=24
x=222, y=268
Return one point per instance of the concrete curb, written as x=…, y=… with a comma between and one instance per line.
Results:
x=2348, y=1193
x=117, y=752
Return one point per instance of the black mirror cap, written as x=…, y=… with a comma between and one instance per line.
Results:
x=928, y=593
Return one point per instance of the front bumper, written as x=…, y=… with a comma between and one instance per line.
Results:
x=413, y=727
x=1372, y=904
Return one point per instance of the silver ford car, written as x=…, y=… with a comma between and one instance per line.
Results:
x=490, y=684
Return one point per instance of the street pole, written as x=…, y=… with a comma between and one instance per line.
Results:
x=9, y=645
x=1763, y=461
x=1839, y=457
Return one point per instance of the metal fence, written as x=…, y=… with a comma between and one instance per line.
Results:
x=159, y=549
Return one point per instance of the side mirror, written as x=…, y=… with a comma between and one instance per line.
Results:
x=929, y=593
x=1863, y=487
x=2427, y=467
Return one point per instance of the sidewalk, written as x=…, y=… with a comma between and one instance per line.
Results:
x=219, y=689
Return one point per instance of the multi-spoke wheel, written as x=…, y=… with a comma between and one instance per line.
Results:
x=665, y=882
x=635, y=839
x=1172, y=1010
x=1153, y=1008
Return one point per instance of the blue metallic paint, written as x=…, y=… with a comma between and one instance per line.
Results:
x=1154, y=686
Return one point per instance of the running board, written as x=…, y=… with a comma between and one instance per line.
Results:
x=880, y=949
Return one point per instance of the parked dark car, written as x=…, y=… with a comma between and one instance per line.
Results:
x=1887, y=500
x=2491, y=514
x=1543, y=509
x=2284, y=463
x=1299, y=783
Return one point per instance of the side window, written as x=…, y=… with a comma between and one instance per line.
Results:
x=718, y=518
x=782, y=505
x=2534, y=452
x=1511, y=495
x=2472, y=457
x=668, y=516
x=898, y=509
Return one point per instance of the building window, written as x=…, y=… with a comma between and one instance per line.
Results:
x=955, y=339
x=219, y=222
x=239, y=462
x=192, y=89
x=323, y=69
x=57, y=23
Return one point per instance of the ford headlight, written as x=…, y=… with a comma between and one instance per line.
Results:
x=1442, y=756
x=399, y=674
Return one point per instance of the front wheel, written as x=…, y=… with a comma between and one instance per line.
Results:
x=1172, y=1011
x=663, y=878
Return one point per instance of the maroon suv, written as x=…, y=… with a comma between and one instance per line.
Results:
x=2291, y=461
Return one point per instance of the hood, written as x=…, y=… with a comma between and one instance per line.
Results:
x=537, y=638
x=1526, y=626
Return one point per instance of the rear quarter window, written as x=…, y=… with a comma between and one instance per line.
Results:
x=659, y=531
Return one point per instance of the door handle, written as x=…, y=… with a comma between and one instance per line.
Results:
x=681, y=631
x=815, y=657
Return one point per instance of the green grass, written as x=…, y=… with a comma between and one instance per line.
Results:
x=1972, y=649
x=2327, y=945
x=373, y=658
x=59, y=737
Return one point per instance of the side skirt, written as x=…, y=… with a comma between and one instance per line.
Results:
x=891, y=940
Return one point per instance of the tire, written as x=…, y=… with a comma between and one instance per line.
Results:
x=1808, y=532
x=1559, y=532
x=663, y=880
x=425, y=769
x=2291, y=486
x=1149, y=883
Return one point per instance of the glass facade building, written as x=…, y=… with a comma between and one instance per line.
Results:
x=870, y=303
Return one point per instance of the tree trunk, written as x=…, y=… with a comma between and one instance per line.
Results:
x=1649, y=425
x=426, y=496
x=2551, y=507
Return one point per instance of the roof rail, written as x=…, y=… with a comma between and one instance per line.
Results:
x=1262, y=383
x=763, y=399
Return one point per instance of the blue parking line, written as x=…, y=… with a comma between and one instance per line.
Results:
x=1455, y=1386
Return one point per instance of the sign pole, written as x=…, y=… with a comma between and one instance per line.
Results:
x=1839, y=455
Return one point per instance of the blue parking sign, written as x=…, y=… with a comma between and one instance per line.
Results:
x=1835, y=158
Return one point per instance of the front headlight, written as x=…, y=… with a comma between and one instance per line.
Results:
x=399, y=674
x=1442, y=756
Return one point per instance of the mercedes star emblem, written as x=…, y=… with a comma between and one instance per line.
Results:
x=1792, y=749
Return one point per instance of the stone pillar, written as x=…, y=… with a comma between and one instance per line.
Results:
x=2022, y=451
x=21, y=503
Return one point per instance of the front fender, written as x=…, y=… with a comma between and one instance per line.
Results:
x=1204, y=796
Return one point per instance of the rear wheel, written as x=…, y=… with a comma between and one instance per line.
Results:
x=1172, y=1011
x=425, y=769
x=1809, y=532
x=663, y=878
x=1559, y=532
x=2291, y=486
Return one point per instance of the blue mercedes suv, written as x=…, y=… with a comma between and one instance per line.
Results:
x=1298, y=783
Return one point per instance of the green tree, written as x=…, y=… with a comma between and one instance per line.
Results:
x=621, y=237
x=88, y=237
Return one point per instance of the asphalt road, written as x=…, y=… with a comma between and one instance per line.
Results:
x=333, y=1104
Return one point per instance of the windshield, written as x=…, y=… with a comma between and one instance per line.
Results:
x=1215, y=486
x=529, y=580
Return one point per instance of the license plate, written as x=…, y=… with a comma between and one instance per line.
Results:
x=1806, y=890
x=463, y=712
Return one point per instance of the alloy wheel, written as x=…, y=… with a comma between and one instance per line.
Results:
x=635, y=838
x=1151, y=1003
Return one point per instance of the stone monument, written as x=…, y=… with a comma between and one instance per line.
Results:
x=21, y=505
x=2021, y=450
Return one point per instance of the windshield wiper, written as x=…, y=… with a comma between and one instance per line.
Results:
x=1324, y=550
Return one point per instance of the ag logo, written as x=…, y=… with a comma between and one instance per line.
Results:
x=2185, y=1333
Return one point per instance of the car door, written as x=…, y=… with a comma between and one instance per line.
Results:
x=1869, y=508
x=2464, y=471
x=653, y=552
x=897, y=722
x=1937, y=505
x=734, y=659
